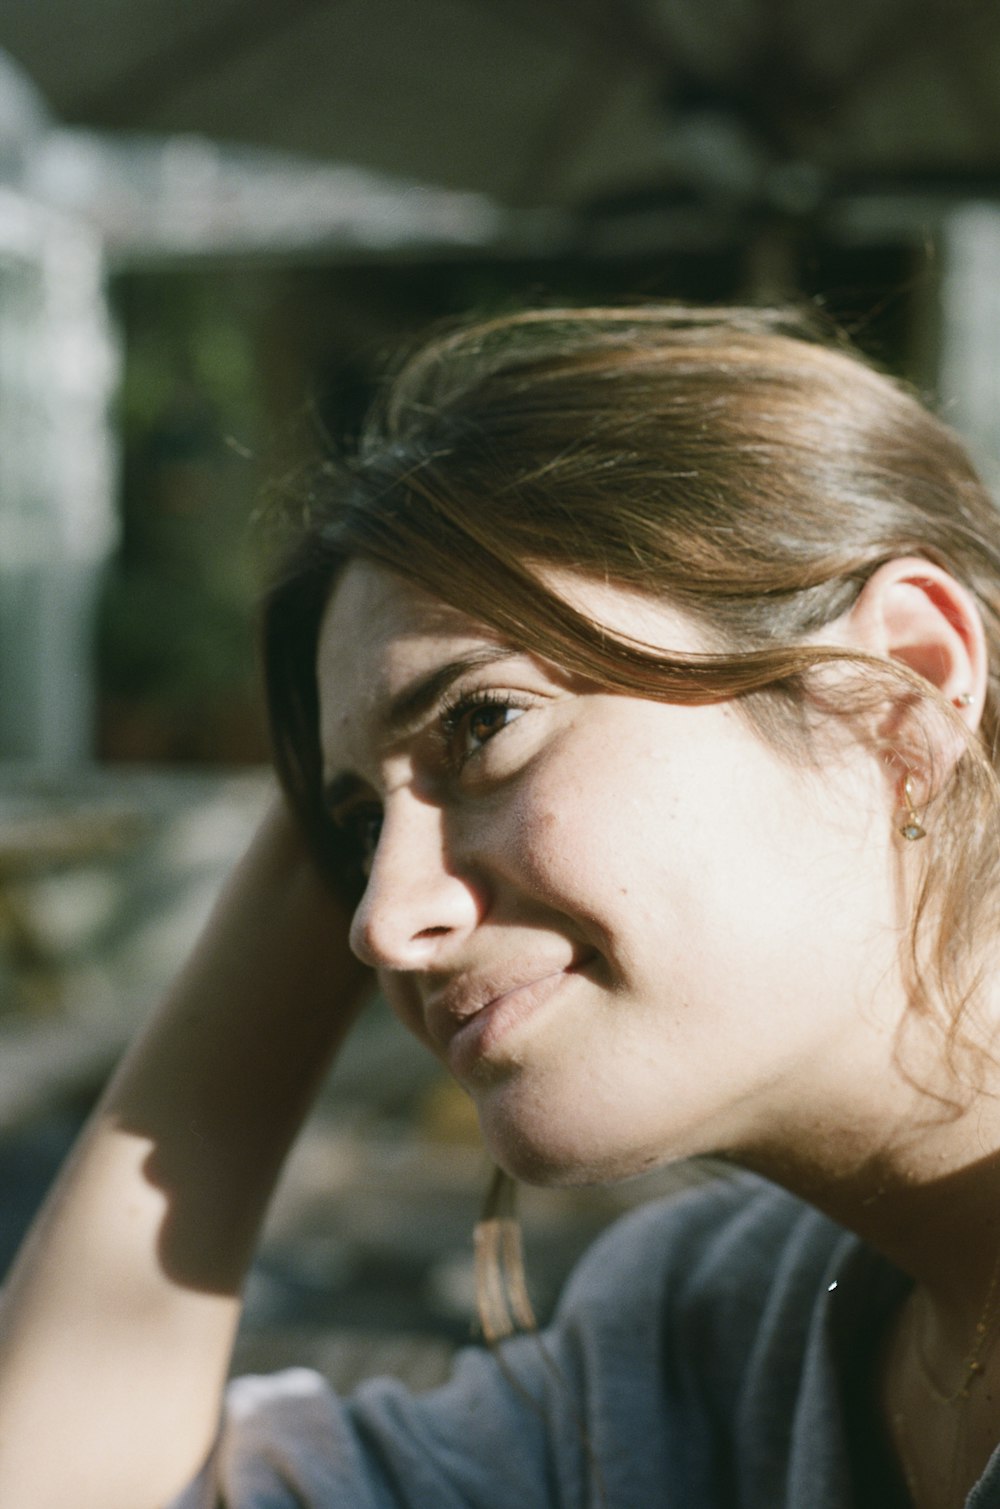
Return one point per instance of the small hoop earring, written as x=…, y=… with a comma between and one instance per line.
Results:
x=912, y=828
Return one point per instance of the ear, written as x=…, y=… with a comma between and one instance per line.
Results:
x=916, y=613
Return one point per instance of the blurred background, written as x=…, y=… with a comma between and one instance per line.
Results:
x=217, y=219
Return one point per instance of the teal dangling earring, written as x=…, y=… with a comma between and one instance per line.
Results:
x=912, y=828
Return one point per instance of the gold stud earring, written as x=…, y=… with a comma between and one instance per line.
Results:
x=912, y=828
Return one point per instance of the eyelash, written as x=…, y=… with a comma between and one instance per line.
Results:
x=459, y=708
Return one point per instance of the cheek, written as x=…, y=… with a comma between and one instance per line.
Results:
x=546, y=844
x=580, y=857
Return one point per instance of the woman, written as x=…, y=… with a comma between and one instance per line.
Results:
x=635, y=689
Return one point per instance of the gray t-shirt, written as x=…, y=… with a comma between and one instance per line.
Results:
x=712, y=1351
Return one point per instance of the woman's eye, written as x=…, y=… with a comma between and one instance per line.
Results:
x=475, y=721
x=484, y=722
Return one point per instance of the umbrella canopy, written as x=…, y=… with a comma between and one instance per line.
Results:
x=558, y=102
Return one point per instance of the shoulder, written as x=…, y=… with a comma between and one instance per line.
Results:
x=663, y=1329
x=700, y=1237
x=708, y=1271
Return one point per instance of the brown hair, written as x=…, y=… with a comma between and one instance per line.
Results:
x=750, y=470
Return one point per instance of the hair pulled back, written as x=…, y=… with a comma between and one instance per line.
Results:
x=750, y=471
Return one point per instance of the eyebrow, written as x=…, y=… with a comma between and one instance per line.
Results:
x=410, y=706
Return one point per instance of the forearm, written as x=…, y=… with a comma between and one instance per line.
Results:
x=119, y=1317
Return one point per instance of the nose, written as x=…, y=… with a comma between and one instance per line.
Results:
x=415, y=902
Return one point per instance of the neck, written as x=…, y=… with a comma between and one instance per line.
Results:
x=919, y=1181
x=908, y=1157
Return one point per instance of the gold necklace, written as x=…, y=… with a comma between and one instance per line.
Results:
x=975, y=1363
x=984, y=1333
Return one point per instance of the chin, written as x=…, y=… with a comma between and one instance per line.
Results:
x=539, y=1155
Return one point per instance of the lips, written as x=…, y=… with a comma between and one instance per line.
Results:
x=469, y=1018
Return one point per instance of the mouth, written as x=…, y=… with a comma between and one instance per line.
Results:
x=471, y=1020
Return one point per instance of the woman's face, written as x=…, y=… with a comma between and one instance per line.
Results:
x=632, y=930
